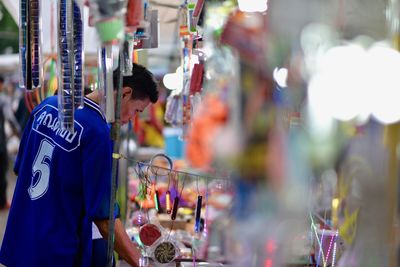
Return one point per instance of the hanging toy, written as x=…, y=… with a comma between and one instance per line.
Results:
x=198, y=214
x=23, y=44
x=175, y=209
x=31, y=73
x=35, y=43
x=78, y=52
x=157, y=202
x=66, y=62
x=168, y=202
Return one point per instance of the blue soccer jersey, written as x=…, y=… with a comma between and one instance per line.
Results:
x=63, y=185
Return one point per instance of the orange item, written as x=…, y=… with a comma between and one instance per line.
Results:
x=212, y=114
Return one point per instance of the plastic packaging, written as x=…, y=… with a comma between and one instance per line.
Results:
x=79, y=56
x=23, y=44
x=164, y=251
x=35, y=43
x=127, y=62
x=183, y=22
x=106, y=87
x=149, y=233
x=65, y=65
x=191, y=23
x=31, y=73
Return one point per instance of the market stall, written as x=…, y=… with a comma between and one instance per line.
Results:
x=275, y=140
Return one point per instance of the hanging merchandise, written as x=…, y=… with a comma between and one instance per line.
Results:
x=196, y=80
x=149, y=233
x=175, y=208
x=183, y=21
x=31, y=72
x=197, y=11
x=168, y=201
x=152, y=40
x=173, y=112
x=106, y=87
x=35, y=43
x=198, y=214
x=65, y=64
x=133, y=15
x=213, y=113
x=191, y=23
x=127, y=62
x=187, y=43
x=244, y=33
x=165, y=252
x=79, y=56
x=24, y=53
x=143, y=25
x=143, y=30
x=108, y=17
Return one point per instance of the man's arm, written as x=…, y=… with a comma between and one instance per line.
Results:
x=123, y=245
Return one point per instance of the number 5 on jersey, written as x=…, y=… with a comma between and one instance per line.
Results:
x=41, y=170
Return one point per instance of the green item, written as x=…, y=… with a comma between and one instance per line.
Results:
x=110, y=30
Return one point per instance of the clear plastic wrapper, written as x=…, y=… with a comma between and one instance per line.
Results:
x=164, y=251
x=106, y=87
x=23, y=44
x=173, y=114
x=31, y=68
x=127, y=62
x=79, y=56
x=35, y=43
x=65, y=65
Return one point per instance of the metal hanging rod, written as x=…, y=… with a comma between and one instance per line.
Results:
x=170, y=170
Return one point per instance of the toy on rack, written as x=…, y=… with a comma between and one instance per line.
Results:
x=66, y=104
x=31, y=72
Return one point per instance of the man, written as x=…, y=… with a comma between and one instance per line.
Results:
x=64, y=179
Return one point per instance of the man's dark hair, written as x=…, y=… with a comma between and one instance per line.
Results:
x=141, y=81
x=1, y=79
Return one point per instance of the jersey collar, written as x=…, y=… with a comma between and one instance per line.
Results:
x=94, y=106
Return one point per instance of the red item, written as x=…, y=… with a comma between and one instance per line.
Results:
x=196, y=81
x=198, y=9
x=149, y=234
x=133, y=13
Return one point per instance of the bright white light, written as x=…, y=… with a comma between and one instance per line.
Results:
x=337, y=87
x=170, y=81
x=253, y=5
x=280, y=76
x=174, y=81
x=385, y=63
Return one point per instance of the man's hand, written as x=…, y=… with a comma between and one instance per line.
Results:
x=122, y=244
